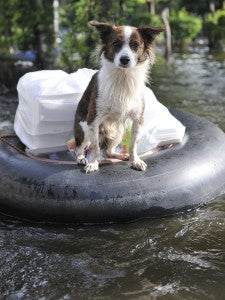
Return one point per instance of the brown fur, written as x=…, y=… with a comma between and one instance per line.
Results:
x=86, y=109
x=114, y=45
x=78, y=134
x=141, y=42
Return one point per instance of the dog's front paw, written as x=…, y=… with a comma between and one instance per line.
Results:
x=139, y=164
x=91, y=167
x=81, y=160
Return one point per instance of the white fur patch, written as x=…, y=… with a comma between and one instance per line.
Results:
x=118, y=86
x=126, y=50
x=127, y=34
x=85, y=129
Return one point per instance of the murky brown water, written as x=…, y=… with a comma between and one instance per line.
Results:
x=181, y=257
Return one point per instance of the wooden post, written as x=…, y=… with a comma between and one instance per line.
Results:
x=165, y=17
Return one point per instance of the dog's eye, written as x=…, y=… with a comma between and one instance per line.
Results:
x=134, y=46
x=116, y=43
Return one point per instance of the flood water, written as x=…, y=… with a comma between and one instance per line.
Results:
x=179, y=257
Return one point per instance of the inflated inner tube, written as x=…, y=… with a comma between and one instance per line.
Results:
x=183, y=177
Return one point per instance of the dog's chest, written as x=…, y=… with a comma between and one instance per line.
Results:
x=117, y=107
x=119, y=98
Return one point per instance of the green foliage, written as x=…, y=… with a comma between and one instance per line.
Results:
x=215, y=26
x=80, y=40
x=30, y=19
x=6, y=16
x=184, y=27
x=26, y=25
x=137, y=14
x=144, y=18
x=200, y=7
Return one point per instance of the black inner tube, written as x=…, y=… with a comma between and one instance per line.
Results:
x=183, y=177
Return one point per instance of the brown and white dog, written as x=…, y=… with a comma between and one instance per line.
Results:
x=115, y=93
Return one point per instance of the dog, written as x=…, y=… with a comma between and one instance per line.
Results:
x=115, y=94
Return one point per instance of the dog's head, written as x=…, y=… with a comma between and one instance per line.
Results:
x=126, y=46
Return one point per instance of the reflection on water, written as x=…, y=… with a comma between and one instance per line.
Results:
x=181, y=257
x=195, y=83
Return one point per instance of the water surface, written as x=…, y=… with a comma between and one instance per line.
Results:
x=179, y=257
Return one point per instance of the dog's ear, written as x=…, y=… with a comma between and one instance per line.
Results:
x=149, y=33
x=104, y=29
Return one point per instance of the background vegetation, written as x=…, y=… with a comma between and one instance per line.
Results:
x=54, y=33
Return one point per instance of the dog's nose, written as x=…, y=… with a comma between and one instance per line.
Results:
x=124, y=60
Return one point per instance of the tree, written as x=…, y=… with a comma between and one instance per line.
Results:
x=215, y=28
x=80, y=40
x=6, y=23
x=168, y=46
x=185, y=27
x=27, y=25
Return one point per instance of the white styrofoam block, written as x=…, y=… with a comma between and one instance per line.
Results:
x=36, y=143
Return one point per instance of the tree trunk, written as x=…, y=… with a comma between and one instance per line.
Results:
x=8, y=40
x=56, y=20
x=212, y=7
x=40, y=61
x=122, y=7
x=39, y=44
x=151, y=5
x=89, y=42
x=165, y=16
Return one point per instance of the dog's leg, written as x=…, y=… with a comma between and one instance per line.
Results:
x=95, y=150
x=111, y=148
x=81, y=136
x=80, y=153
x=136, y=162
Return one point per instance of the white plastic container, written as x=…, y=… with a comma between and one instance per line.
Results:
x=160, y=127
x=47, y=104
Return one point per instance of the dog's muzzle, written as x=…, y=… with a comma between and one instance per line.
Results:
x=124, y=61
